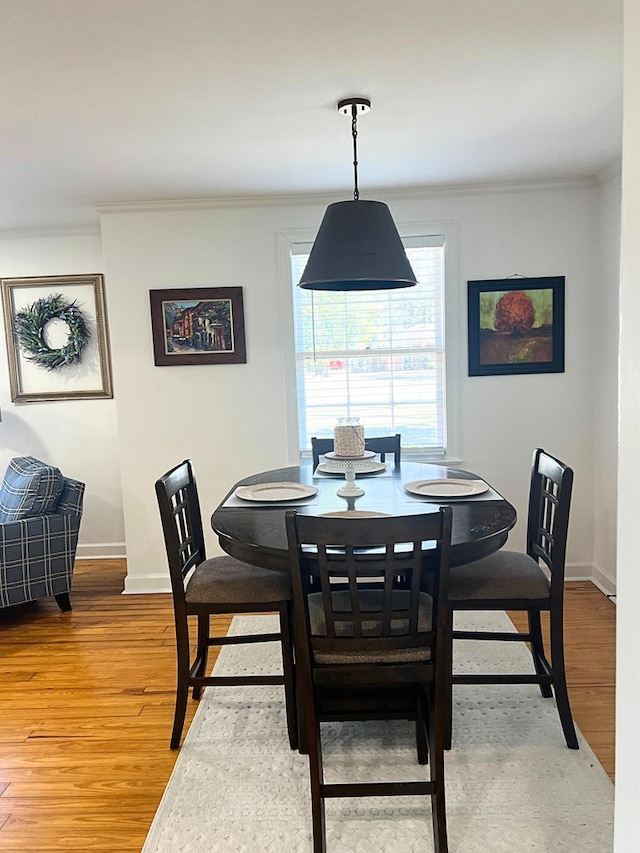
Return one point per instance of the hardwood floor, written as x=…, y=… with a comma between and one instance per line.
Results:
x=590, y=655
x=87, y=706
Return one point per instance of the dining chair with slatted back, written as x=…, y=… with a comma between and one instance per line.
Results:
x=369, y=647
x=204, y=587
x=382, y=445
x=532, y=582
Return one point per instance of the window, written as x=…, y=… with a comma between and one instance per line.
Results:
x=377, y=355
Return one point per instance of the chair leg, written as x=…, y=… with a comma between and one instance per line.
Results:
x=317, y=800
x=422, y=721
x=448, y=703
x=182, y=686
x=437, y=731
x=286, y=633
x=303, y=686
x=64, y=602
x=540, y=661
x=202, y=652
x=560, y=679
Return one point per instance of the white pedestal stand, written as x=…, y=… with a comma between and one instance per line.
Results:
x=350, y=467
x=350, y=489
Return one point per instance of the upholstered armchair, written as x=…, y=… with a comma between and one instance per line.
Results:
x=40, y=512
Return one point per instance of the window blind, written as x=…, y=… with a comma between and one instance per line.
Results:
x=377, y=355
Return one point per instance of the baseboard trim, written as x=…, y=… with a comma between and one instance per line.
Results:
x=603, y=580
x=578, y=572
x=102, y=551
x=147, y=584
x=590, y=572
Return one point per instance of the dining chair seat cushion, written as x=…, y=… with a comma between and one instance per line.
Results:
x=504, y=575
x=370, y=601
x=225, y=580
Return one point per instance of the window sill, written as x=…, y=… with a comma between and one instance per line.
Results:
x=430, y=459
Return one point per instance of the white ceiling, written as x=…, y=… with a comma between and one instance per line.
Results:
x=149, y=100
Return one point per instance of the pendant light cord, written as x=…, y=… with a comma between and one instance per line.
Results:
x=354, y=134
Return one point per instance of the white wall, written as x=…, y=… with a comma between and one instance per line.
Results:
x=628, y=576
x=605, y=384
x=79, y=436
x=231, y=419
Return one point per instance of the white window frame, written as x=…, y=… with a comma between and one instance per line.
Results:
x=448, y=230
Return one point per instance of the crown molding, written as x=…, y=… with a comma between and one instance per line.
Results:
x=395, y=194
x=301, y=199
x=49, y=231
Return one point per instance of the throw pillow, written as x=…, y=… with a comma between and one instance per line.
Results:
x=30, y=487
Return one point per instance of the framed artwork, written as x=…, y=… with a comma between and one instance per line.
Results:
x=198, y=325
x=57, y=338
x=516, y=326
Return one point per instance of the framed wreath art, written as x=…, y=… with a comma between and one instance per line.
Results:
x=56, y=335
x=33, y=331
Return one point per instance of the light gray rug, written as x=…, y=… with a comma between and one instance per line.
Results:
x=512, y=785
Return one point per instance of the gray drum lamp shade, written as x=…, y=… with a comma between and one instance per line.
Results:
x=357, y=248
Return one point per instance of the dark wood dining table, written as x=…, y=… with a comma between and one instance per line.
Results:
x=255, y=532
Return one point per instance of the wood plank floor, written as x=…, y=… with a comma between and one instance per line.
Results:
x=87, y=705
x=590, y=654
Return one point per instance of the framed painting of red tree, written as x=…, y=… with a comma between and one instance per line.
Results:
x=516, y=326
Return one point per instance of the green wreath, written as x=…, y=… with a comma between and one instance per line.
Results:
x=30, y=324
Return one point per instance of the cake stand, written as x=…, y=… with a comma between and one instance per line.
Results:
x=350, y=466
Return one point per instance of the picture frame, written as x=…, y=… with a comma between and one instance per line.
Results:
x=516, y=326
x=57, y=338
x=198, y=325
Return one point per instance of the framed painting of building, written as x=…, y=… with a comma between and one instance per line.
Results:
x=198, y=325
x=516, y=326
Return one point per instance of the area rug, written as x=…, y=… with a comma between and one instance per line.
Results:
x=512, y=784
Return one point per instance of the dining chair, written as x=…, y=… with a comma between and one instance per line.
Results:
x=368, y=647
x=204, y=587
x=511, y=580
x=381, y=444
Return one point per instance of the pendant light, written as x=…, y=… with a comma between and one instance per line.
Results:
x=357, y=246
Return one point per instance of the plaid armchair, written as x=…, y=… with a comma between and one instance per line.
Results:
x=40, y=512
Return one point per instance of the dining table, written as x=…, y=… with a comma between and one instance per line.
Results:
x=250, y=524
x=250, y=519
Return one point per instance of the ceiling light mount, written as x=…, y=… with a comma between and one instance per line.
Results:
x=357, y=246
x=350, y=105
x=354, y=107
